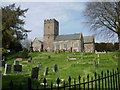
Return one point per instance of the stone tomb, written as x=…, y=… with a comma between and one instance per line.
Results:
x=35, y=72
x=72, y=59
x=17, y=68
x=7, y=69
x=55, y=68
x=46, y=71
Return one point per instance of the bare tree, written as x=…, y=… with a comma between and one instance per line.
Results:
x=104, y=17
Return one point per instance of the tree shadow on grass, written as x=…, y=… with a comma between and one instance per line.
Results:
x=17, y=80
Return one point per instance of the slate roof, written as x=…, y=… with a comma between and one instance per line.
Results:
x=68, y=37
x=88, y=39
x=38, y=39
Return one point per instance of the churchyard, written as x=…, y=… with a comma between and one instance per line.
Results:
x=52, y=65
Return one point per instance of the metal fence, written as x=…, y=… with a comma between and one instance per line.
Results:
x=109, y=80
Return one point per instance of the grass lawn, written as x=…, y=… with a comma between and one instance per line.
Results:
x=66, y=68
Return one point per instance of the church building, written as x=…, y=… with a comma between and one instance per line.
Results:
x=52, y=41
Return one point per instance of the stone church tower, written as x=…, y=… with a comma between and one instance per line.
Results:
x=51, y=30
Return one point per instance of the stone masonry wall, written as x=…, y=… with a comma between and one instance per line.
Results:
x=67, y=44
x=89, y=47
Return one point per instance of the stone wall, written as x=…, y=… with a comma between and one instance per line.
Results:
x=89, y=47
x=68, y=45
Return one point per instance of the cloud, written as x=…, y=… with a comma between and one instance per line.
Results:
x=45, y=0
x=39, y=11
x=60, y=0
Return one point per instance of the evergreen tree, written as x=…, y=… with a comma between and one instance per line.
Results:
x=12, y=25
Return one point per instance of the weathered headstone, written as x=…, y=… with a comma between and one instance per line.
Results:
x=29, y=61
x=95, y=63
x=98, y=58
x=16, y=62
x=30, y=58
x=3, y=63
x=0, y=80
x=7, y=69
x=3, y=58
x=35, y=72
x=46, y=71
x=17, y=68
x=58, y=51
x=49, y=57
x=39, y=66
x=82, y=56
x=98, y=55
x=0, y=74
x=55, y=68
x=63, y=50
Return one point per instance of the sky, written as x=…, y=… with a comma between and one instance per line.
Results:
x=70, y=16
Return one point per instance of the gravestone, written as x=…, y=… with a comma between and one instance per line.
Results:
x=17, y=68
x=63, y=50
x=3, y=58
x=55, y=68
x=35, y=72
x=72, y=59
x=95, y=63
x=82, y=56
x=30, y=58
x=46, y=71
x=98, y=55
x=3, y=63
x=58, y=51
x=16, y=62
x=29, y=61
x=98, y=58
x=0, y=74
x=39, y=66
x=49, y=57
x=7, y=69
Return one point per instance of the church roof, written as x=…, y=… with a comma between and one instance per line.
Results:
x=88, y=39
x=38, y=39
x=75, y=36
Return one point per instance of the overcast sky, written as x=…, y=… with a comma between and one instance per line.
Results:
x=69, y=14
